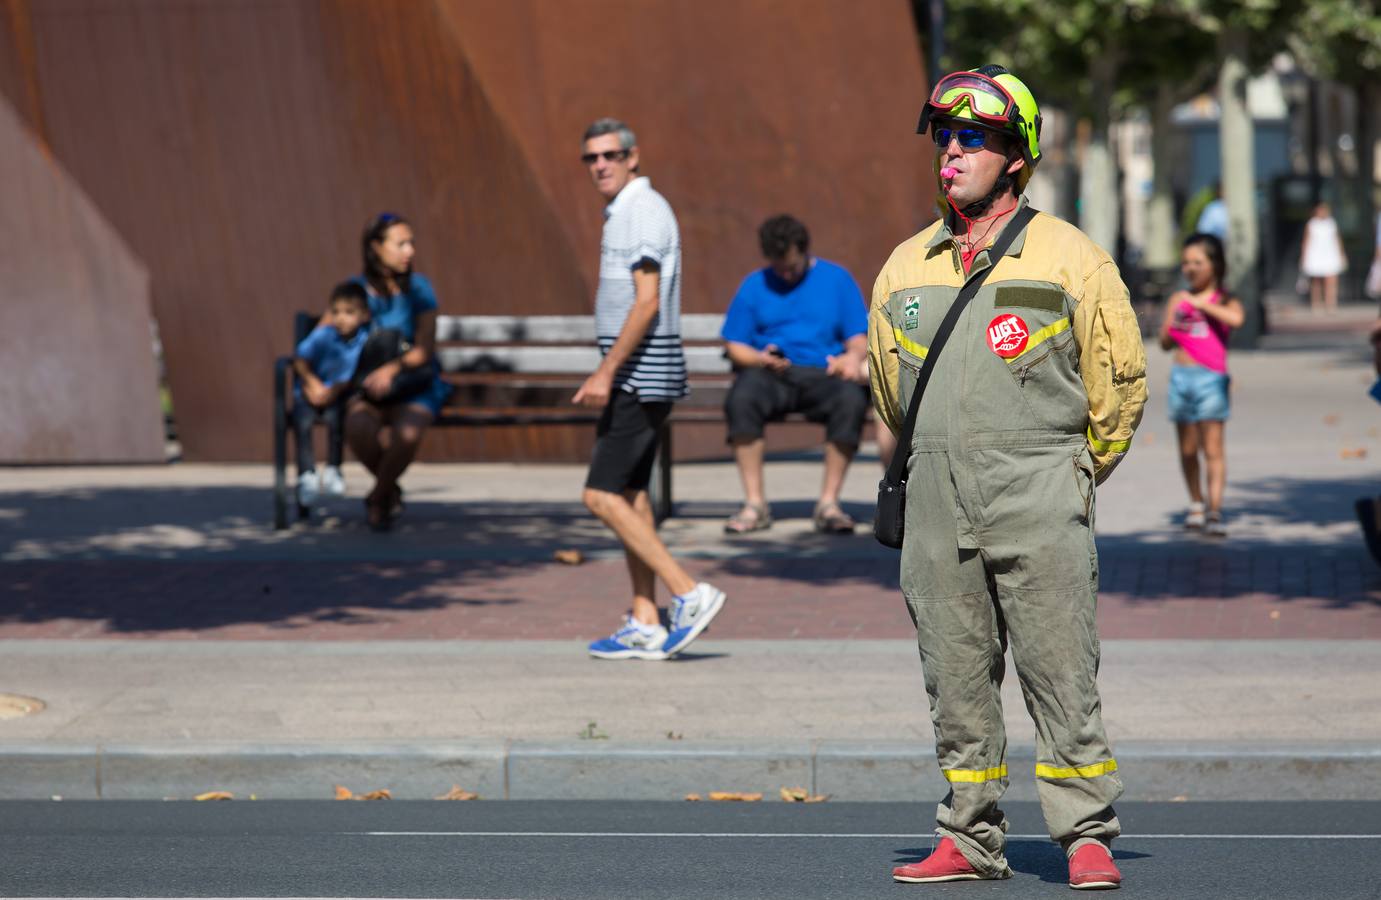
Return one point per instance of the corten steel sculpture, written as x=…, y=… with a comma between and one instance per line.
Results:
x=238, y=148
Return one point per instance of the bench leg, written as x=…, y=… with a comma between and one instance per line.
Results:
x=660, y=488
x=280, y=467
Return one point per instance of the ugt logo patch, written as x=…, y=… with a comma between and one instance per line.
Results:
x=1007, y=336
x=911, y=312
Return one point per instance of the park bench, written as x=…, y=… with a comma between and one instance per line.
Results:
x=522, y=370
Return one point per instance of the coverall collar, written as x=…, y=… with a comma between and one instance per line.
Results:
x=944, y=234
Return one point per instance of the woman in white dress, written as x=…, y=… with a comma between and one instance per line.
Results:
x=1322, y=259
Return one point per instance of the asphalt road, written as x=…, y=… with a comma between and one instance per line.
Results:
x=650, y=850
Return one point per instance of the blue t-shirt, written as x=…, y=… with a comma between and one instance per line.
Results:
x=809, y=320
x=332, y=357
x=401, y=310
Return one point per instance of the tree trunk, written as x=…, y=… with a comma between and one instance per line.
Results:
x=1238, y=160
x=1160, y=213
x=1368, y=96
x=1098, y=207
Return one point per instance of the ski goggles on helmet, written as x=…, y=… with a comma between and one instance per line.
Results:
x=987, y=101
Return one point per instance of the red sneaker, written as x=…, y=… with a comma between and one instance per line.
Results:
x=946, y=863
x=1091, y=868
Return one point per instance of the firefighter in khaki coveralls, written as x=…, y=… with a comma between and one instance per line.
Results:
x=1032, y=403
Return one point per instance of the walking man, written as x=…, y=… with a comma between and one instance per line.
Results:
x=1033, y=402
x=643, y=371
x=796, y=333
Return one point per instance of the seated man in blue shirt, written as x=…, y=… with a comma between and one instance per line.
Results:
x=325, y=363
x=796, y=333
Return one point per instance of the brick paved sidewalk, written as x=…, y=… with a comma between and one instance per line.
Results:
x=1169, y=592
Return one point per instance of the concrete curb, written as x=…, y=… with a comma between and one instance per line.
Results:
x=599, y=769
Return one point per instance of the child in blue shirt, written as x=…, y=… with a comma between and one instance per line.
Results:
x=325, y=363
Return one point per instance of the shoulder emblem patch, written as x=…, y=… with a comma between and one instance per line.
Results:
x=911, y=313
x=1008, y=335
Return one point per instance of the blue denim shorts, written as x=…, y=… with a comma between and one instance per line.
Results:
x=1198, y=395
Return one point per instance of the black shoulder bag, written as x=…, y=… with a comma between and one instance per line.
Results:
x=384, y=345
x=890, y=523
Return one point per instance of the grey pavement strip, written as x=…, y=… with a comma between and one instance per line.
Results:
x=286, y=692
x=553, y=771
x=1195, y=720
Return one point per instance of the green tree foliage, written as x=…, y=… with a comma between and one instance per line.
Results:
x=1340, y=39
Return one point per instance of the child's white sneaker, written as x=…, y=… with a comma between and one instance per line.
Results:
x=332, y=482
x=308, y=487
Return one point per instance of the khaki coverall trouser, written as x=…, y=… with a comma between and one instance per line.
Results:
x=1031, y=580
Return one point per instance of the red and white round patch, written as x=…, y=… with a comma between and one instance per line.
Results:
x=1007, y=335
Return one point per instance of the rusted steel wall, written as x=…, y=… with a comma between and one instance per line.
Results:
x=75, y=337
x=238, y=148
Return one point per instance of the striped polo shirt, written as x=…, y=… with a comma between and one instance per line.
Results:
x=639, y=225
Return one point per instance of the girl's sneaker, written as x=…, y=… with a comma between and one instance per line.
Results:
x=1194, y=518
x=1215, y=526
x=633, y=641
x=332, y=482
x=308, y=487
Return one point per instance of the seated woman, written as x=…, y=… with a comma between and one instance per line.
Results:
x=400, y=299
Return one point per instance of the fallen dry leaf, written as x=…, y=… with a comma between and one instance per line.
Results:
x=1149, y=440
x=215, y=795
x=1331, y=419
x=569, y=557
x=1275, y=614
x=737, y=796
x=1353, y=453
x=377, y=795
x=694, y=797
x=458, y=793
x=344, y=793
x=801, y=795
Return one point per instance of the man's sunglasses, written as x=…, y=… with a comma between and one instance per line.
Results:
x=608, y=156
x=969, y=138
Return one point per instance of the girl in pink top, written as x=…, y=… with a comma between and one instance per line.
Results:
x=1195, y=327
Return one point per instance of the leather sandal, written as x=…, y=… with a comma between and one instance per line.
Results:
x=753, y=517
x=830, y=519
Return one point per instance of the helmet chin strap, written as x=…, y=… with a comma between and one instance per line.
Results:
x=980, y=206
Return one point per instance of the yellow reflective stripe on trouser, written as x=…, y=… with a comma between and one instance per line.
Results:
x=1093, y=771
x=1106, y=446
x=975, y=776
x=1040, y=337
x=909, y=345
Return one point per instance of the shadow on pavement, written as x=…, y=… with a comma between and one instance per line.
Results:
x=178, y=557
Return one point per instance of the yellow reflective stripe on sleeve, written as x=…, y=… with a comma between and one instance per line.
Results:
x=1040, y=337
x=975, y=776
x=1093, y=771
x=1108, y=446
x=909, y=345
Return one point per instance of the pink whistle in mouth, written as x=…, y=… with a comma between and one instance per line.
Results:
x=948, y=172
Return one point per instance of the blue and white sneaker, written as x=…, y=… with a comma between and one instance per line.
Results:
x=691, y=614
x=633, y=641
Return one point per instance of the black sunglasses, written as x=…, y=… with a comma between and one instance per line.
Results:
x=608, y=156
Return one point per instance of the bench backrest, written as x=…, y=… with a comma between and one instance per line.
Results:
x=556, y=344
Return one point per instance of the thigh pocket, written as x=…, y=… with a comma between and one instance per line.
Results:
x=1084, y=483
